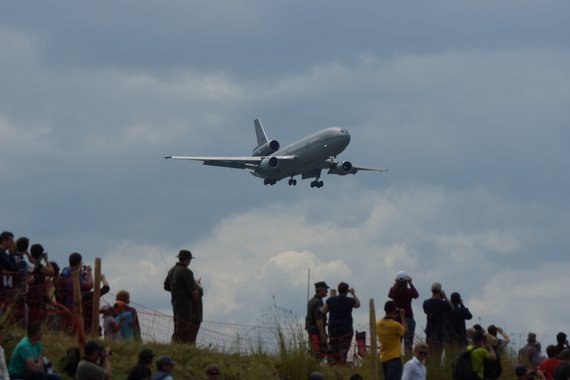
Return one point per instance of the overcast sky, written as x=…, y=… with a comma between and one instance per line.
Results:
x=467, y=104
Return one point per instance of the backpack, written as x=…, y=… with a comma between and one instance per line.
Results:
x=461, y=367
x=70, y=361
x=493, y=368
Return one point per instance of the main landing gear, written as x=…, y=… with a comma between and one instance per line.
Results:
x=269, y=181
x=316, y=183
x=292, y=181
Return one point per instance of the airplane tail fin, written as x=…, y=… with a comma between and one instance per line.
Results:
x=260, y=133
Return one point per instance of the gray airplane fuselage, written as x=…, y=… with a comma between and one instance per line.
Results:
x=309, y=153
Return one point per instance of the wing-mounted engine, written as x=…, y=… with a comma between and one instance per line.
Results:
x=266, y=149
x=341, y=168
x=269, y=164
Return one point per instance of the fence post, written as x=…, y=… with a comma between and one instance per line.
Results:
x=373, y=340
x=77, y=310
x=96, y=298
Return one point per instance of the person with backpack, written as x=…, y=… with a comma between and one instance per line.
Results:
x=480, y=351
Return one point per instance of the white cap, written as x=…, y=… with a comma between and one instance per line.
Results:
x=401, y=276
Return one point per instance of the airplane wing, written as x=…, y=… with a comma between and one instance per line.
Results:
x=246, y=162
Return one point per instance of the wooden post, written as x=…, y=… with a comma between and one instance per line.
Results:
x=77, y=310
x=96, y=298
x=373, y=341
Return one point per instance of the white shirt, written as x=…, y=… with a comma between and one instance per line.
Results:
x=414, y=369
x=3, y=367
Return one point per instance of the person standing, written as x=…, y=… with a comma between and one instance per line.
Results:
x=340, y=320
x=316, y=320
x=184, y=292
x=480, y=351
x=390, y=331
x=402, y=293
x=415, y=368
x=8, y=269
x=436, y=308
x=456, y=322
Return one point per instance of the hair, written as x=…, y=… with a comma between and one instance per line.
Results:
x=564, y=355
x=6, y=235
x=33, y=328
x=492, y=329
x=75, y=259
x=55, y=268
x=420, y=346
x=123, y=295
x=342, y=288
x=390, y=307
x=477, y=327
x=22, y=244
x=455, y=298
x=36, y=250
x=478, y=336
x=551, y=351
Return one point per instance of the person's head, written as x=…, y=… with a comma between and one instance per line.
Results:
x=164, y=364
x=212, y=371
x=75, y=259
x=34, y=332
x=531, y=338
x=421, y=351
x=22, y=244
x=478, y=327
x=391, y=309
x=343, y=288
x=6, y=240
x=108, y=310
x=321, y=288
x=551, y=351
x=492, y=330
x=92, y=350
x=124, y=296
x=436, y=288
x=521, y=370
x=55, y=268
x=560, y=338
x=185, y=257
x=478, y=338
x=36, y=250
x=145, y=357
x=564, y=355
x=316, y=376
x=455, y=298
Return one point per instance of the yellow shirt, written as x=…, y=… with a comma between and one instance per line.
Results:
x=390, y=335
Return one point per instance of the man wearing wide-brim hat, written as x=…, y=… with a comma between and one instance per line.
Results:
x=186, y=298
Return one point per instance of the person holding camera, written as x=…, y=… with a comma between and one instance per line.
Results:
x=340, y=320
x=96, y=363
x=390, y=331
x=437, y=309
x=402, y=293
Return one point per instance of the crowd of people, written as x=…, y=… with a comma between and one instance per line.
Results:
x=330, y=331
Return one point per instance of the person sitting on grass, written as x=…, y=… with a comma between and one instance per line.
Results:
x=141, y=371
x=164, y=367
x=27, y=362
x=89, y=368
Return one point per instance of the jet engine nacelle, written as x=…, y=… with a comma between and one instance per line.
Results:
x=266, y=149
x=341, y=168
x=269, y=163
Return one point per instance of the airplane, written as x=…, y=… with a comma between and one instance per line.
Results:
x=306, y=157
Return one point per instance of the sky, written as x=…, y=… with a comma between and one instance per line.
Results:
x=466, y=103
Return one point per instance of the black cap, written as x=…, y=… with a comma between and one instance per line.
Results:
x=321, y=284
x=91, y=347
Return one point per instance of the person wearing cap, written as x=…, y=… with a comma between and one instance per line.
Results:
x=212, y=371
x=164, y=367
x=530, y=354
x=402, y=293
x=186, y=299
x=141, y=370
x=315, y=321
x=436, y=308
x=340, y=320
x=561, y=342
x=316, y=376
x=390, y=331
x=89, y=368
